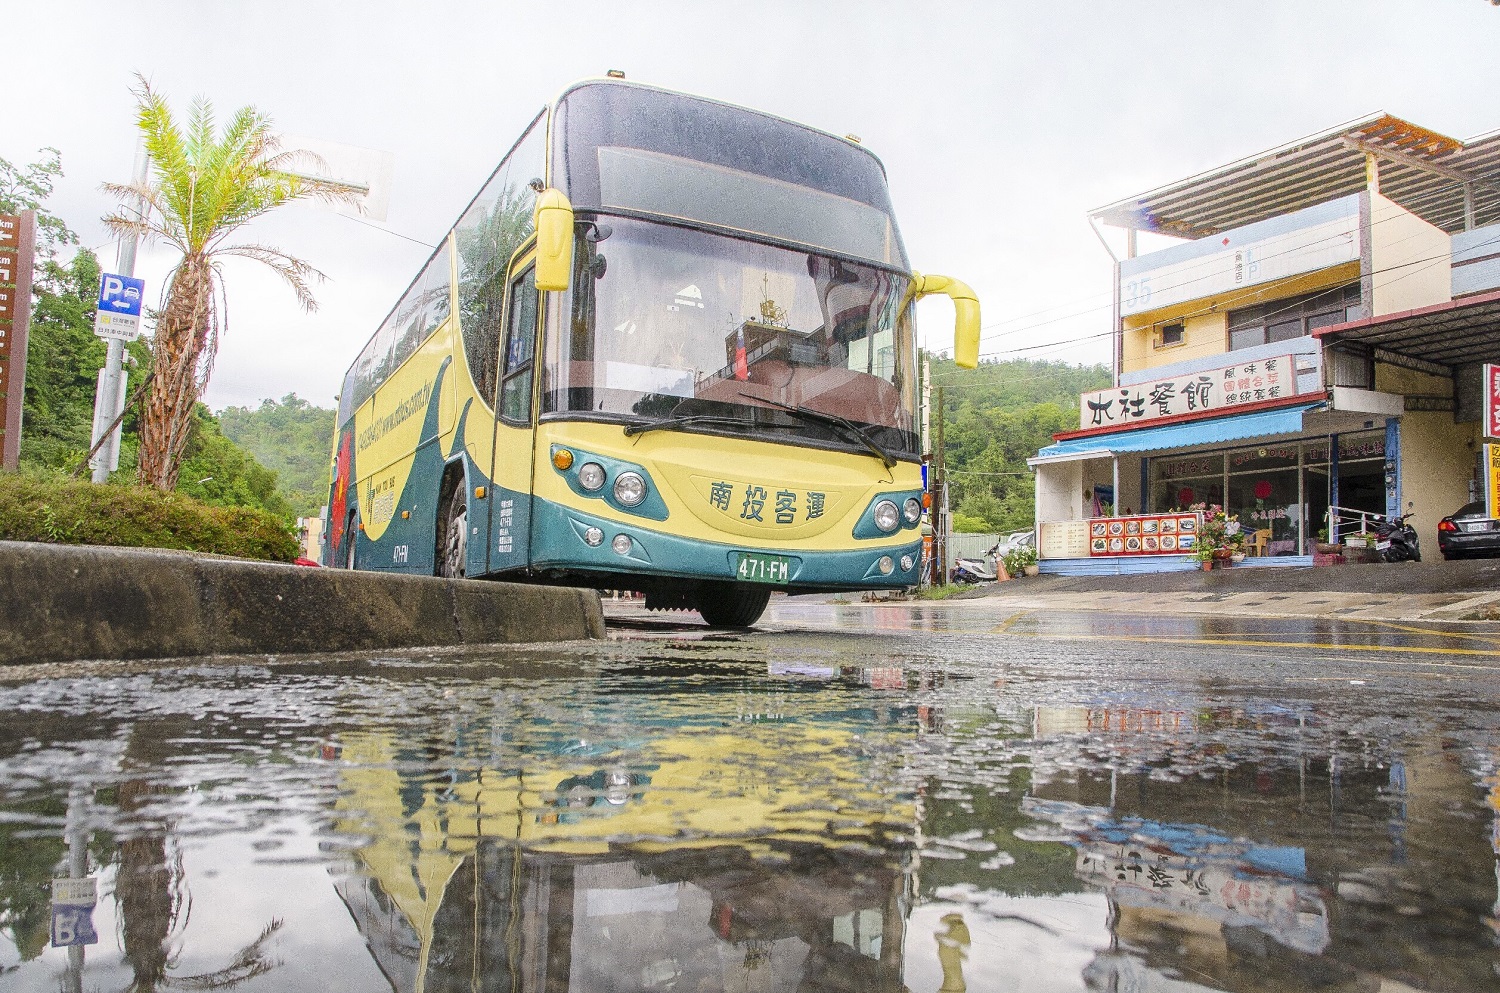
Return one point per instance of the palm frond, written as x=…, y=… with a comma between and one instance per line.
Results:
x=293, y=270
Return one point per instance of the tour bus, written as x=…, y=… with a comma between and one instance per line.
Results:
x=667, y=348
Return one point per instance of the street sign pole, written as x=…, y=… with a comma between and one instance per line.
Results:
x=109, y=393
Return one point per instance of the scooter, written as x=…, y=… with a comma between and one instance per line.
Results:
x=976, y=570
x=1396, y=540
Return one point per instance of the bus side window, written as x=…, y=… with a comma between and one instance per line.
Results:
x=520, y=348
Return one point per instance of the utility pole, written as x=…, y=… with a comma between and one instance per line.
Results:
x=109, y=394
x=940, y=498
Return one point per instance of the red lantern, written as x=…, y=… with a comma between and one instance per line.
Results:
x=1185, y=496
x=1263, y=489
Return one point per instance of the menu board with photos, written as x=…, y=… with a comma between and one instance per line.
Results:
x=1145, y=534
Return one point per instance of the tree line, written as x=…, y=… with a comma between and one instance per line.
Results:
x=995, y=418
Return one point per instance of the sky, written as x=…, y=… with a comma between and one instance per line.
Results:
x=1000, y=124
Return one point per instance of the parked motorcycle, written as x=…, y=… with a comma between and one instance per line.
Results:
x=971, y=570
x=1396, y=540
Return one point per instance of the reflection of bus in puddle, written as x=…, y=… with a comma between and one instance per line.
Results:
x=751, y=857
x=1191, y=870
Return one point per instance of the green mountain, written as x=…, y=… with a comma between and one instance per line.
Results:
x=292, y=438
x=998, y=416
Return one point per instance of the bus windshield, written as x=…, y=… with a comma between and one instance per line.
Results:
x=718, y=333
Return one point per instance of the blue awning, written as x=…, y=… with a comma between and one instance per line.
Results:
x=1284, y=420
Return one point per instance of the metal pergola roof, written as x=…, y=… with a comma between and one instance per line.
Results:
x=1445, y=335
x=1425, y=172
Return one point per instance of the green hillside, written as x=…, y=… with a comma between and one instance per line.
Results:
x=998, y=416
x=293, y=439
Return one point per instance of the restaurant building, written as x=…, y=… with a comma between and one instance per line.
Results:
x=1310, y=351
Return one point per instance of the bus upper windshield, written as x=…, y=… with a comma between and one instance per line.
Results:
x=664, y=322
x=637, y=148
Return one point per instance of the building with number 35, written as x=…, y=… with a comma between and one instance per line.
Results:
x=1309, y=352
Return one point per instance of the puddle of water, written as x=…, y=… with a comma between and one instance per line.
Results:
x=797, y=811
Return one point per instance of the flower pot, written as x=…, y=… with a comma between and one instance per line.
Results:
x=1032, y=570
x=1208, y=565
x=1237, y=557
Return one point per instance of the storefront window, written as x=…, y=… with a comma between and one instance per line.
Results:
x=1179, y=482
x=1280, y=492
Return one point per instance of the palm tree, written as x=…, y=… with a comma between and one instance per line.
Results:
x=203, y=188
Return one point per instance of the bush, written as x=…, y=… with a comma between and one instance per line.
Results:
x=38, y=507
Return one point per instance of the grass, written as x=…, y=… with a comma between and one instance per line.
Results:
x=941, y=592
x=46, y=507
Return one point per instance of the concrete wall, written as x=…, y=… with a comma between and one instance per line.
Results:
x=1059, y=491
x=1437, y=454
x=1410, y=260
x=65, y=602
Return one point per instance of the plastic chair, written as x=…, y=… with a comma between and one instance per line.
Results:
x=1258, y=540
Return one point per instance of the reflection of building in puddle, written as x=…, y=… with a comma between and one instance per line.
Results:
x=698, y=919
x=743, y=853
x=1189, y=870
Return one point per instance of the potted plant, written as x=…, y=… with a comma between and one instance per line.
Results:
x=1204, y=555
x=1021, y=561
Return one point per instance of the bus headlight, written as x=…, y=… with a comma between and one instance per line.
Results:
x=591, y=476
x=630, y=488
x=887, y=515
x=885, y=565
x=622, y=544
x=912, y=511
x=907, y=562
x=594, y=537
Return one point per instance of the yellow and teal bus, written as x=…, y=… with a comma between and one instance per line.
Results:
x=667, y=348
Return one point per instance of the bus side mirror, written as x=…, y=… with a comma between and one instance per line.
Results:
x=554, y=240
x=965, y=310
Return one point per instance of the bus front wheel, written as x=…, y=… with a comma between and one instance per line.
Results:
x=453, y=536
x=731, y=605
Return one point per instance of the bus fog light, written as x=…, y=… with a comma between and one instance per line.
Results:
x=622, y=544
x=887, y=515
x=885, y=565
x=591, y=476
x=907, y=562
x=563, y=459
x=630, y=488
x=594, y=537
x=912, y=510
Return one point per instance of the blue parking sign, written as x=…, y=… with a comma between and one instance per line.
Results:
x=121, y=294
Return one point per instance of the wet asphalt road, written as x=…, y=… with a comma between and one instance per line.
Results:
x=973, y=795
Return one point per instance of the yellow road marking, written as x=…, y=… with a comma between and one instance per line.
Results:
x=1245, y=643
x=1005, y=626
x=1487, y=639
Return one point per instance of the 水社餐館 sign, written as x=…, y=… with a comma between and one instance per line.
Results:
x=1245, y=384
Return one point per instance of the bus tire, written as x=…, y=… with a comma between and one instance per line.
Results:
x=349, y=548
x=731, y=605
x=453, y=536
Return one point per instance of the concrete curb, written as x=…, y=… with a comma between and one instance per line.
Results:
x=65, y=602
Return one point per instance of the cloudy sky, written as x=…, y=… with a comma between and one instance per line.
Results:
x=1000, y=124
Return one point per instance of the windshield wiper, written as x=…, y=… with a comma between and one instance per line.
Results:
x=679, y=421
x=850, y=429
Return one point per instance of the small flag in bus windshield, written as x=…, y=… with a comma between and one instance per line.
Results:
x=741, y=365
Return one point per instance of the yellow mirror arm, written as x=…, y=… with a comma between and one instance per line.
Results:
x=553, y=217
x=965, y=313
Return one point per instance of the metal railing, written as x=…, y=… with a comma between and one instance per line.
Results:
x=1339, y=517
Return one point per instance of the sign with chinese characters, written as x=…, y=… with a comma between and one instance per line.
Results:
x=1222, y=389
x=1491, y=400
x=1492, y=479
x=73, y=902
x=17, y=250
x=766, y=503
x=1146, y=534
x=119, y=310
x=1063, y=540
